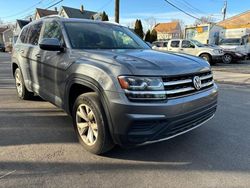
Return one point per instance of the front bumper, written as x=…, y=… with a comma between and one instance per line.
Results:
x=217, y=57
x=140, y=123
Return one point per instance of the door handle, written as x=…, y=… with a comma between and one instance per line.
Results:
x=181, y=49
x=38, y=56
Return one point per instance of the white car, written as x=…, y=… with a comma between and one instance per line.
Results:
x=193, y=47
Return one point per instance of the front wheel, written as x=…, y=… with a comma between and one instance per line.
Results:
x=91, y=125
x=206, y=57
x=227, y=58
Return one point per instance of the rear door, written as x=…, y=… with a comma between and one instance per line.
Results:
x=33, y=56
x=20, y=52
x=174, y=46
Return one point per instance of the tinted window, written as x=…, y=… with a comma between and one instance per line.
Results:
x=22, y=37
x=53, y=30
x=34, y=33
x=165, y=44
x=175, y=44
x=186, y=44
x=84, y=35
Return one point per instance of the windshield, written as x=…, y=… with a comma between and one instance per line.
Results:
x=197, y=43
x=84, y=35
x=235, y=41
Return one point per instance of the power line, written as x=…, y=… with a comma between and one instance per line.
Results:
x=173, y=5
x=54, y=4
x=191, y=6
x=23, y=11
x=106, y=4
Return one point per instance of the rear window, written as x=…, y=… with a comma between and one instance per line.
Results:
x=22, y=38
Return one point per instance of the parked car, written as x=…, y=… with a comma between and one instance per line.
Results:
x=232, y=56
x=116, y=88
x=236, y=40
x=160, y=45
x=2, y=47
x=193, y=47
x=234, y=49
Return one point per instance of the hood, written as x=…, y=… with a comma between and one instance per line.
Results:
x=150, y=62
x=210, y=47
x=229, y=47
x=234, y=48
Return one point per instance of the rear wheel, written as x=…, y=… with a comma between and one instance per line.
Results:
x=91, y=125
x=22, y=92
x=227, y=58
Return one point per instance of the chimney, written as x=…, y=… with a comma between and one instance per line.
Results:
x=55, y=8
x=82, y=8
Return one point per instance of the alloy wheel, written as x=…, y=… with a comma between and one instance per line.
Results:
x=19, y=85
x=86, y=124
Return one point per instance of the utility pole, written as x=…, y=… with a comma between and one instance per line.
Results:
x=117, y=10
x=224, y=10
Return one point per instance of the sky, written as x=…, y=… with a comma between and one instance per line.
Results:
x=130, y=10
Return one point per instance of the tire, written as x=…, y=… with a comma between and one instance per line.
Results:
x=90, y=124
x=227, y=58
x=206, y=57
x=22, y=92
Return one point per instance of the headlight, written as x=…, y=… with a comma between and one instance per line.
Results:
x=216, y=51
x=143, y=88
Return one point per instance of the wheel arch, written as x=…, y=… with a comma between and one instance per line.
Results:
x=82, y=84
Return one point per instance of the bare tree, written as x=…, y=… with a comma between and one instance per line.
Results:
x=204, y=20
x=150, y=22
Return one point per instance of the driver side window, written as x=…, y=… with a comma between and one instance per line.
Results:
x=187, y=44
x=53, y=30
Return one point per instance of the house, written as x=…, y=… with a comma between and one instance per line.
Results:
x=205, y=33
x=44, y=12
x=6, y=35
x=169, y=30
x=18, y=27
x=1, y=34
x=69, y=12
x=238, y=21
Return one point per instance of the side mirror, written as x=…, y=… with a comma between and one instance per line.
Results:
x=51, y=44
x=192, y=46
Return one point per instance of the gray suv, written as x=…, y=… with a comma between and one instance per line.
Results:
x=116, y=88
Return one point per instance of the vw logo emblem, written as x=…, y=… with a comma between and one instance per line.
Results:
x=197, y=82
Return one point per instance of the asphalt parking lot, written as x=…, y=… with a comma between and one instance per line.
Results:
x=38, y=148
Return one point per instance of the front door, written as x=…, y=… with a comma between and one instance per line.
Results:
x=53, y=65
x=188, y=47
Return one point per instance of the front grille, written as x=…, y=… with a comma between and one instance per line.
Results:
x=178, y=86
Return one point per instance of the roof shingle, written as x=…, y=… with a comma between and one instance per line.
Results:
x=171, y=27
x=45, y=12
x=76, y=13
